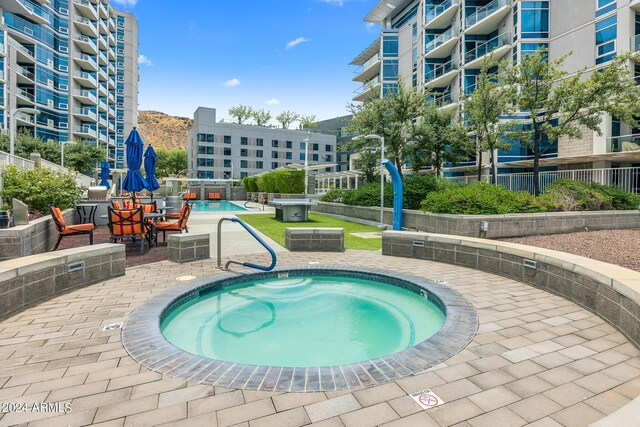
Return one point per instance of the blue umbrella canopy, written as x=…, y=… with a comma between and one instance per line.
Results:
x=134, y=181
x=150, y=169
x=104, y=174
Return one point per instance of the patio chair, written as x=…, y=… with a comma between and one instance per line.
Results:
x=215, y=196
x=115, y=204
x=189, y=196
x=128, y=224
x=175, y=215
x=69, y=230
x=180, y=225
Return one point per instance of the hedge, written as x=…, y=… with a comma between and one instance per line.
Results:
x=282, y=181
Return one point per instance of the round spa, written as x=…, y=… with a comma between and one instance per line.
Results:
x=300, y=329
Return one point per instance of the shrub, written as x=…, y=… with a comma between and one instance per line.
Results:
x=334, y=196
x=368, y=195
x=250, y=184
x=417, y=187
x=479, y=198
x=620, y=199
x=569, y=195
x=39, y=188
x=289, y=182
x=260, y=184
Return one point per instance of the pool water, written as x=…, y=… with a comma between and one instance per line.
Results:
x=302, y=321
x=220, y=206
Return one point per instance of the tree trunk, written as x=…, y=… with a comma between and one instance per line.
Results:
x=492, y=164
x=536, y=162
x=399, y=166
x=479, y=161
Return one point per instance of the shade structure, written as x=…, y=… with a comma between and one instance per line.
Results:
x=104, y=174
x=150, y=169
x=134, y=181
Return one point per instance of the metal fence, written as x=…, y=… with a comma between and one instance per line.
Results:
x=625, y=178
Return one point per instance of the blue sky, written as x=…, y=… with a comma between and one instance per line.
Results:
x=273, y=54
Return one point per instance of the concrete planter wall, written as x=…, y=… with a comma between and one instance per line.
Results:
x=498, y=226
x=37, y=237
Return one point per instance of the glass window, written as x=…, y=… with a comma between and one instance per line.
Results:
x=259, y=153
x=314, y=147
x=244, y=152
x=289, y=144
x=227, y=163
x=390, y=69
x=327, y=158
x=259, y=165
x=328, y=148
x=274, y=165
x=227, y=139
x=605, y=6
x=390, y=45
x=244, y=140
x=315, y=157
x=606, y=33
x=259, y=142
x=288, y=155
x=243, y=174
x=535, y=19
x=226, y=152
x=274, y=143
x=274, y=154
x=243, y=164
x=202, y=137
x=301, y=156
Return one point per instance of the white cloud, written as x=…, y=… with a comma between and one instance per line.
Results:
x=334, y=2
x=143, y=60
x=273, y=101
x=295, y=42
x=231, y=83
x=127, y=3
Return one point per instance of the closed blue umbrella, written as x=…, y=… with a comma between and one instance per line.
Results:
x=104, y=174
x=134, y=181
x=150, y=170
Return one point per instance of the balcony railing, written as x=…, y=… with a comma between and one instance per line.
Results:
x=441, y=70
x=485, y=11
x=441, y=39
x=443, y=99
x=25, y=117
x=85, y=130
x=635, y=43
x=433, y=13
x=85, y=94
x=24, y=72
x=86, y=76
x=24, y=94
x=624, y=143
x=366, y=65
x=368, y=85
x=86, y=40
x=87, y=58
x=501, y=40
x=85, y=112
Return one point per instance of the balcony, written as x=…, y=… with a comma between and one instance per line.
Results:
x=442, y=45
x=85, y=78
x=23, y=54
x=368, y=70
x=442, y=75
x=112, y=112
x=102, y=90
x=624, y=143
x=23, y=97
x=2, y=79
x=85, y=96
x=445, y=100
x=103, y=26
x=635, y=44
x=85, y=114
x=25, y=119
x=112, y=83
x=86, y=8
x=85, y=132
x=102, y=58
x=102, y=106
x=24, y=76
x=103, y=42
x=498, y=47
x=487, y=18
x=103, y=122
x=85, y=61
x=85, y=44
x=112, y=40
x=104, y=12
x=367, y=90
x=34, y=13
x=102, y=75
x=440, y=16
x=86, y=26
x=635, y=5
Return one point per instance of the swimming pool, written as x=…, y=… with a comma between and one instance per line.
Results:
x=300, y=329
x=219, y=206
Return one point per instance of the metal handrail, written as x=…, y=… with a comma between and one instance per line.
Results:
x=255, y=236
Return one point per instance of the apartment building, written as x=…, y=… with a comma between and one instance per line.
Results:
x=338, y=127
x=439, y=47
x=69, y=71
x=222, y=150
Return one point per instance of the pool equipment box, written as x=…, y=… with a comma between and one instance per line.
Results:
x=292, y=210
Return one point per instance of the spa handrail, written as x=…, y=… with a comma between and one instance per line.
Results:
x=255, y=236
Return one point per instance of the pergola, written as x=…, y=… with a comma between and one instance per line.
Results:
x=342, y=180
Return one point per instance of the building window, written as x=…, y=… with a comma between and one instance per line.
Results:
x=328, y=148
x=606, y=33
x=390, y=45
x=226, y=151
x=289, y=144
x=227, y=139
x=205, y=162
x=243, y=164
x=274, y=154
x=315, y=157
x=288, y=155
x=302, y=145
x=274, y=143
x=327, y=157
x=244, y=152
x=227, y=163
x=314, y=147
x=205, y=150
x=301, y=156
x=535, y=19
x=259, y=142
x=259, y=165
x=259, y=153
x=243, y=175
x=244, y=140
x=605, y=6
x=390, y=70
x=274, y=165
x=202, y=137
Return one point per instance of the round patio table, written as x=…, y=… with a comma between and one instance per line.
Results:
x=87, y=213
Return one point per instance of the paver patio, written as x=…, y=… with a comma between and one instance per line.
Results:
x=537, y=359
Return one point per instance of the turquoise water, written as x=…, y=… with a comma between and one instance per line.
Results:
x=221, y=206
x=303, y=321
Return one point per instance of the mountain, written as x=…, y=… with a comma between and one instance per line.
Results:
x=162, y=130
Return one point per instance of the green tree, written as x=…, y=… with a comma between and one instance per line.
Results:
x=25, y=144
x=286, y=118
x=82, y=157
x=261, y=117
x=170, y=162
x=559, y=104
x=241, y=113
x=308, y=121
x=483, y=108
x=367, y=163
x=438, y=138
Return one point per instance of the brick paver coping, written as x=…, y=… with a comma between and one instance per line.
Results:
x=146, y=344
x=537, y=358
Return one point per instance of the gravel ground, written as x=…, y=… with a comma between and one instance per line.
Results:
x=621, y=247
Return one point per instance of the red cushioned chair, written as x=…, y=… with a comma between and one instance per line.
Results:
x=180, y=225
x=128, y=224
x=69, y=230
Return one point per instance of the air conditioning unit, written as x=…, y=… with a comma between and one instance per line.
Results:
x=63, y=68
x=63, y=126
x=63, y=87
x=50, y=83
x=62, y=106
x=64, y=49
x=63, y=11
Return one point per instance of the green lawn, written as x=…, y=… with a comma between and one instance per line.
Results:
x=273, y=228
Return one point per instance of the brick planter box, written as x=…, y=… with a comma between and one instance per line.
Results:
x=314, y=239
x=188, y=247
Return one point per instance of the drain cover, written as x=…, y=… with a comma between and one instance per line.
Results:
x=112, y=326
x=185, y=278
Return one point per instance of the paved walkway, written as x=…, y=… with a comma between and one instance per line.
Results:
x=537, y=359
